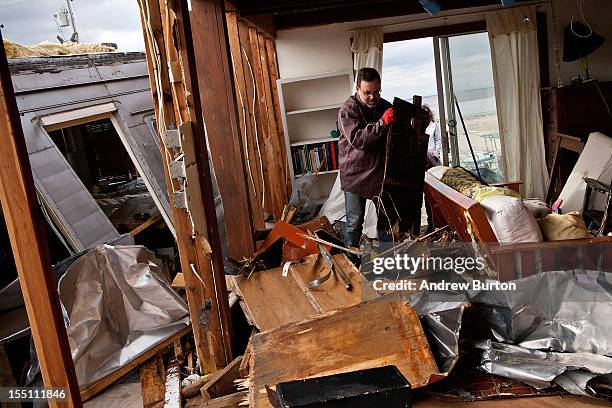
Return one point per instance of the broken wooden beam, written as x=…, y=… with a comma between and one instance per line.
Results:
x=148, y=223
x=177, y=107
x=213, y=70
x=152, y=381
x=25, y=228
x=193, y=389
x=227, y=401
x=222, y=382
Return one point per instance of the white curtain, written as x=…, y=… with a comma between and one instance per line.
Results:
x=514, y=52
x=367, y=48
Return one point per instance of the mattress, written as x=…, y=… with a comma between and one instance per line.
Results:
x=595, y=162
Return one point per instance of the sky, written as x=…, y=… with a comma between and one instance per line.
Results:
x=409, y=69
x=30, y=22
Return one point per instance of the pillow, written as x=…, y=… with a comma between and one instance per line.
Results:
x=438, y=171
x=557, y=227
x=538, y=208
x=511, y=221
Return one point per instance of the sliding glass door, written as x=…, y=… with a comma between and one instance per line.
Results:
x=466, y=88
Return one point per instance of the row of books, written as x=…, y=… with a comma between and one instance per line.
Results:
x=315, y=157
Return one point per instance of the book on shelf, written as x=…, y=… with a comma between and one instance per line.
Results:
x=315, y=157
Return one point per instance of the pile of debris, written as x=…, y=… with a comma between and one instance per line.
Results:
x=316, y=330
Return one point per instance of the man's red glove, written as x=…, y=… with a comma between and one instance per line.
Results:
x=389, y=117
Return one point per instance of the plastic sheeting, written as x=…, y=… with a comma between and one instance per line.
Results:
x=441, y=315
x=563, y=311
x=553, y=323
x=119, y=306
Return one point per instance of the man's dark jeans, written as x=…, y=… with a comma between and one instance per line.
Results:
x=355, y=211
x=397, y=205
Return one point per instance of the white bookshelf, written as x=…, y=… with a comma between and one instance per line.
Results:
x=309, y=107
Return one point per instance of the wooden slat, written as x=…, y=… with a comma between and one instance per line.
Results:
x=367, y=335
x=216, y=89
x=151, y=221
x=273, y=194
x=246, y=122
x=153, y=381
x=278, y=182
x=274, y=75
x=222, y=382
x=29, y=245
x=228, y=401
x=256, y=137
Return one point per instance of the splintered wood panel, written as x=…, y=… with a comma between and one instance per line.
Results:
x=272, y=300
x=368, y=335
x=332, y=294
x=246, y=120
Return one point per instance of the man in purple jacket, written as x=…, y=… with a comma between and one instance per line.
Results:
x=364, y=122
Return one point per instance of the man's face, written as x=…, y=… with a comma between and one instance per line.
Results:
x=369, y=93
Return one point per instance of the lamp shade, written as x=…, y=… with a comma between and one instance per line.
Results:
x=581, y=45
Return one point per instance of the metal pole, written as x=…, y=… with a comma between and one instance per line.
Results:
x=467, y=136
x=75, y=34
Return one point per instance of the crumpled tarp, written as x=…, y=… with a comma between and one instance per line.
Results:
x=563, y=311
x=119, y=306
x=554, y=322
x=441, y=315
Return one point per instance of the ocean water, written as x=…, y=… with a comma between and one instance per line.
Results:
x=474, y=102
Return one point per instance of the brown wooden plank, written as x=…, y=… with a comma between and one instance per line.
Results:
x=280, y=164
x=153, y=381
x=332, y=294
x=172, y=396
x=28, y=242
x=272, y=300
x=274, y=75
x=255, y=138
x=216, y=89
x=246, y=123
x=370, y=334
x=170, y=108
x=193, y=389
x=222, y=382
x=213, y=314
x=104, y=382
x=272, y=195
x=151, y=221
x=227, y=401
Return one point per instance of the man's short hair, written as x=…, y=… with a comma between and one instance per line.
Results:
x=368, y=75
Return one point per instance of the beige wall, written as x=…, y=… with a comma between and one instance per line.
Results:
x=307, y=51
